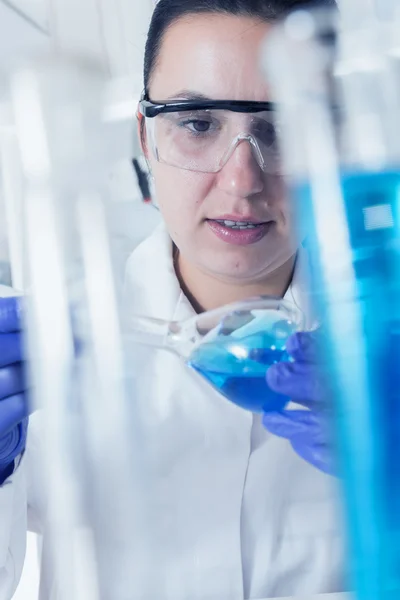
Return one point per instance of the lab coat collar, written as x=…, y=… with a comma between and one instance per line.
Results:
x=152, y=287
x=298, y=292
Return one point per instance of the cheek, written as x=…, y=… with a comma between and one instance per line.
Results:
x=180, y=195
x=279, y=200
x=288, y=226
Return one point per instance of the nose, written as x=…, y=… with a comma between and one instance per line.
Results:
x=241, y=176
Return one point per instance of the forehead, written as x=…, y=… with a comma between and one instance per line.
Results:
x=216, y=55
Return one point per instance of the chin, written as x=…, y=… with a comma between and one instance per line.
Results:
x=247, y=263
x=238, y=269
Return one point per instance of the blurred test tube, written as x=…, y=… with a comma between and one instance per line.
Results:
x=65, y=149
x=11, y=179
x=341, y=154
x=47, y=117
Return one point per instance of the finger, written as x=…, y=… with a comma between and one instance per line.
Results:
x=12, y=411
x=319, y=454
x=11, y=349
x=12, y=380
x=289, y=423
x=13, y=442
x=297, y=380
x=10, y=314
x=8, y=442
x=277, y=424
x=306, y=346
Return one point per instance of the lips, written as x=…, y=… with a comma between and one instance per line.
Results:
x=239, y=232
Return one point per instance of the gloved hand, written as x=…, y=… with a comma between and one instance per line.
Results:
x=13, y=396
x=306, y=383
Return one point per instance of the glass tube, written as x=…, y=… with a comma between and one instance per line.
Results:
x=341, y=155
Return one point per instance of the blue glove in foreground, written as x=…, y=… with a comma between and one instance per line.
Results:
x=304, y=382
x=13, y=397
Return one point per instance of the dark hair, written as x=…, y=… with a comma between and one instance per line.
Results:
x=167, y=12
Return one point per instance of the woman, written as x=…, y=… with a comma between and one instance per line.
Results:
x=235, y=512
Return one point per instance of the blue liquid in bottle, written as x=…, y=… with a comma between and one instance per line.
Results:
x=361, y=314
x=236, y=365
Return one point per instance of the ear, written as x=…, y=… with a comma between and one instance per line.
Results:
x=142, y=135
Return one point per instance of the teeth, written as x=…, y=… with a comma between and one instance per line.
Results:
x=237, y=224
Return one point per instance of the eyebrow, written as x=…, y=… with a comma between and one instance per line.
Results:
x=190, y=95
x=195, y=96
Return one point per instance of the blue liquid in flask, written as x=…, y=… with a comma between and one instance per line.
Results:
x=236, y=365
x=368, y=422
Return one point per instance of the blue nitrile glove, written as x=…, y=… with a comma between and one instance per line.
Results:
x=305, y=382
x=13, y=396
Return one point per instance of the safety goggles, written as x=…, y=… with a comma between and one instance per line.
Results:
x=202, y=135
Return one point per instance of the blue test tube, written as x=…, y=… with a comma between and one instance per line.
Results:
x=341, y=155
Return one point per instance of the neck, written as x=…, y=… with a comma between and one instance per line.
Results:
x=206, y=292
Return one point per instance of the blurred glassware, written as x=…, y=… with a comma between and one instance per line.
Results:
x=342, y=161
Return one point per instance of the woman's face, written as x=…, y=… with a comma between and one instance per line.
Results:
x=218, y=56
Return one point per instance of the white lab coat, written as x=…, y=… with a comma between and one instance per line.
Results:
x=236, y=514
